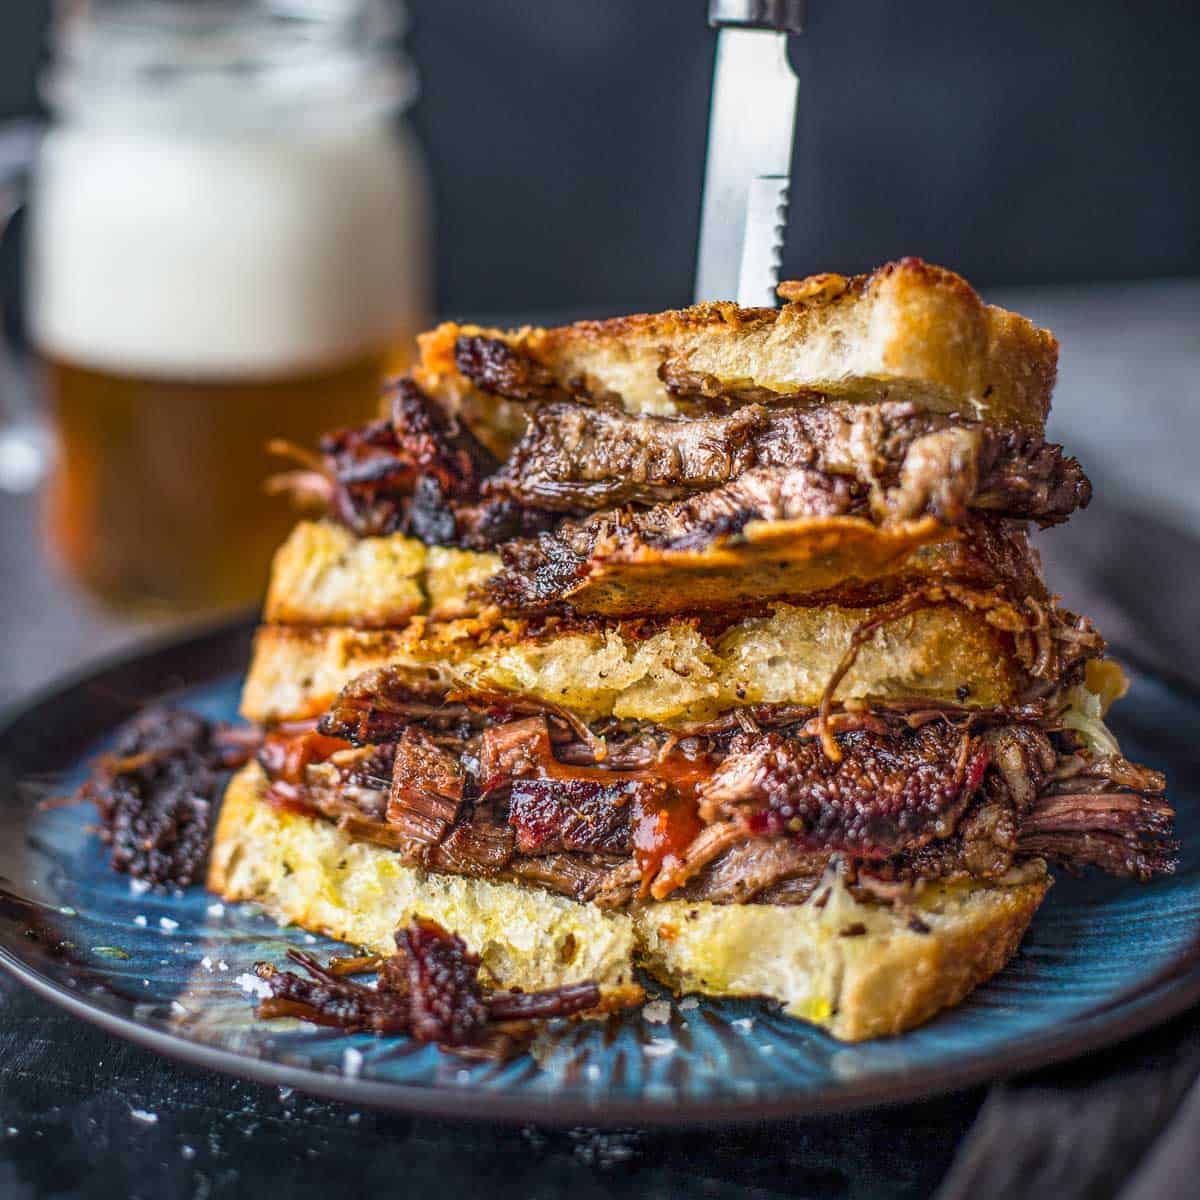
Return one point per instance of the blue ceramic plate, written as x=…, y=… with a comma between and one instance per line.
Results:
x=1103, y=959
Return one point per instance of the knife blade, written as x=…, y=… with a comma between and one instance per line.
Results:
x=751, y=128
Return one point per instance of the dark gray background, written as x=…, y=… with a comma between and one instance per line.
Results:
x=1025, y=141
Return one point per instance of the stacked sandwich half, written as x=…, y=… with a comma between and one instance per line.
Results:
x=709, y=643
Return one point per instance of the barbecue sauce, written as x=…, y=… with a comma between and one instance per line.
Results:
x=284, y=756
x=662, y=830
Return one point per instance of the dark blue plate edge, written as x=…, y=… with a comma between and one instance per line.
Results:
x=219, y=649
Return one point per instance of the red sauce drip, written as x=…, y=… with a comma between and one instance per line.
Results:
x=532, y=753
x=662, y=829
x=285, y=755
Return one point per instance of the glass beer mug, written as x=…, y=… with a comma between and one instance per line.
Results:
x=228, y=244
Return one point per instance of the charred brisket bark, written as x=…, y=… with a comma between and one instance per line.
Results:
x=421, y=472
x=495, y=367
x=886, y=795
x=428, y=989
x=156, y=789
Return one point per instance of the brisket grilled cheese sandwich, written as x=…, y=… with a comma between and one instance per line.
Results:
x=709, y=643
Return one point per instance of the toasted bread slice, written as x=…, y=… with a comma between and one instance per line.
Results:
x=907, y=331
x=324, y=575
x=858, y=969
x=672, y=673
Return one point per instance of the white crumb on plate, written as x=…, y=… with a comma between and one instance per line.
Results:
x=253, y=986
x=657, y=1012
x=659, y=1048
x=309, y=940
x=140, y=1114
x=178, y=1009
x=352, y=1061
x=206, y=963
x=222, y=965
x=690, y=1002
x=743, y=1024
x=140, y=920
x=167, y=925
x=139, y=887
x=215, y=910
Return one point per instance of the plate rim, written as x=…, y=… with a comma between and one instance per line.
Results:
x=1173, y=990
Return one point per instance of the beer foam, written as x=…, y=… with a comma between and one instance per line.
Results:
x=206, y=258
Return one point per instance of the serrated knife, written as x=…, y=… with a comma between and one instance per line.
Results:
x=751, y=126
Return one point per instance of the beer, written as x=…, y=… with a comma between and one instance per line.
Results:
x=225, y=249
x=158, y=500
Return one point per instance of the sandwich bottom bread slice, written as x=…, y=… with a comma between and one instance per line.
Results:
x=857, y=967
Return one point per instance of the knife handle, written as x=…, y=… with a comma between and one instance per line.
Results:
x=783, y=16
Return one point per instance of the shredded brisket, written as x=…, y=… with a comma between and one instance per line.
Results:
x=748, y=807
x=427, y=788
x=578, y=457
x=1106, y=813
x=156, y=789
x=428, y=989
x=421, y=472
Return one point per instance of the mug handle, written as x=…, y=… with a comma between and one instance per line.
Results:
x=26, y=445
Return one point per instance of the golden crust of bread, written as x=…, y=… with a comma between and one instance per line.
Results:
x=324, y=575
x=909, y=330
x=857, y=985
x=672, y=673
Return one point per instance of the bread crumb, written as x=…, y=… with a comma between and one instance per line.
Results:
x=657, y=1012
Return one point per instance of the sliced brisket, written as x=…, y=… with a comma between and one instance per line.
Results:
x=910, y=462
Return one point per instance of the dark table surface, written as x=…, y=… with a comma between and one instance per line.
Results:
x=1123, y=1122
